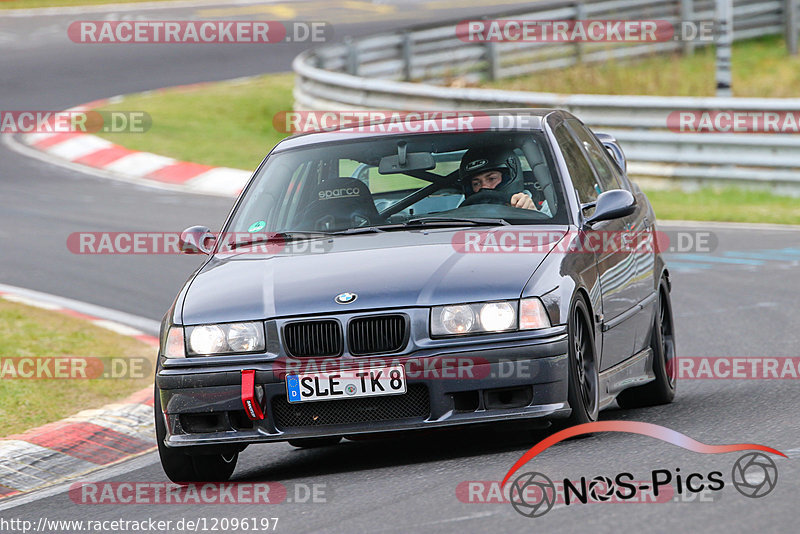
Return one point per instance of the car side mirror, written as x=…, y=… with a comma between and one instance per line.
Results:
x=612, y=204
x=197, y=240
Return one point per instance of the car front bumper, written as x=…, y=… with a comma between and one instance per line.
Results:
x=522, y=378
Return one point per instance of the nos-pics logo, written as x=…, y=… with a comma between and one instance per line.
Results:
x=533, y=494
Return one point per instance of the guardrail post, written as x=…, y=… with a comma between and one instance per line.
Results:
x=580, y=14
x=687, y=15
x=790, y=16
x=492, y=60
x=408, y=55
x=352, y=56
x=724, y=41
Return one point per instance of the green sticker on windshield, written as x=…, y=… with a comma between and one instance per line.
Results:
x=256, y=226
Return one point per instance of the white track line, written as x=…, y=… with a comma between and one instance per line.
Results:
x=148, y=326
x=27, y=151
x=123, y=468
x=77, y=147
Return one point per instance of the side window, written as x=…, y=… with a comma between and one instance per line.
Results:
x=583, y=178
x=607, y=174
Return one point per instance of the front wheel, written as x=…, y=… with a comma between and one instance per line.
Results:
x=184, y=468
x=584, y=380
x=662, y=343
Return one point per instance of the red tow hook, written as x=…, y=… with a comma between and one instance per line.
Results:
x=252, y=406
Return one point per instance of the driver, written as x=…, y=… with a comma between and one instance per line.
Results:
x=494, y=168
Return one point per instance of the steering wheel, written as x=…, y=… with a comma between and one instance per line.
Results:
x=488, y=196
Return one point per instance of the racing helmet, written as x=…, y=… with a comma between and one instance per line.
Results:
x=496, y=158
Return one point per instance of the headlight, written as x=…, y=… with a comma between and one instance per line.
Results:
x=457, y=319
x=226, y=338
x=244, y=337
x=475, y=318
x=487, y=317
x=497, y=316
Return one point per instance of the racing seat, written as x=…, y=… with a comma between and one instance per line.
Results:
x=534, y=186
x=339, y=204
x=541, y=174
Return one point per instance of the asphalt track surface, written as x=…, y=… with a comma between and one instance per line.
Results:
x=739, y=300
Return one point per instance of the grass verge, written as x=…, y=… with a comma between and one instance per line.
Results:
x=29, y=332
x=760, y=67
x=226, y=124
x=728, y=204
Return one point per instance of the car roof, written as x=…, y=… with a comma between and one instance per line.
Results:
x=386, y=125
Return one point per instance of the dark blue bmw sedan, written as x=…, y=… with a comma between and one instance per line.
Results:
x=372, y=280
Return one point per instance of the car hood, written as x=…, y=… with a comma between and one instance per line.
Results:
x=385, y=270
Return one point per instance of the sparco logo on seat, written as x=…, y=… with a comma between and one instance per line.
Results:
x=338, y=193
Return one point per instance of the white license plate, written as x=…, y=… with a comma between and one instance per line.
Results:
x=348, y=384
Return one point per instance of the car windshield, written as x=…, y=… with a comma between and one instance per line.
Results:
x=398, y=182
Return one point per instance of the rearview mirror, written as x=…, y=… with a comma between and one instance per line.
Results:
x=197, y=240
x=406, y=161
x=612, y=204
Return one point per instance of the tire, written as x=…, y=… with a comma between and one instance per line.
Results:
x=184, y=468
x=584, y=380
x=662, y=342
x=313, y=443
x=214, y=467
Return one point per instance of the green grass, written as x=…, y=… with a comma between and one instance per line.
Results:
x=760, y=67
x=32, y=332
x=29, y=4
x=227, y=124
x=725, y=204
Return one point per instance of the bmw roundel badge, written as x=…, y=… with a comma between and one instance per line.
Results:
x=345, y=298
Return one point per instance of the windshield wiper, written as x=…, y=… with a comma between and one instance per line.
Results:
x=424, y=221
x=380, y=228
x=367, y=229
x=279, y=237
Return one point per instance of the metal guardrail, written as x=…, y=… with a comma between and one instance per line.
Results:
x=367, y=73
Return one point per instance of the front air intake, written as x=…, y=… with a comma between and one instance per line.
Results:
x=313, y=338
x=376, y=335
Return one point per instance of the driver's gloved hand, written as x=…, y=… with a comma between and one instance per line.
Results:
x=523, y=200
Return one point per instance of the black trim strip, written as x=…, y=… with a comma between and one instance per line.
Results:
x=622, y=317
